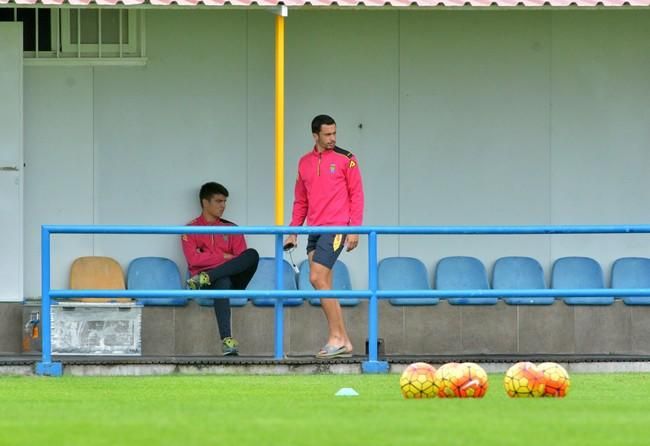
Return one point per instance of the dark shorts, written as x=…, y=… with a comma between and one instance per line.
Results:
x=326, y=247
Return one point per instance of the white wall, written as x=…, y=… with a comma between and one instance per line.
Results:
x=11, y=162
x=457, y=117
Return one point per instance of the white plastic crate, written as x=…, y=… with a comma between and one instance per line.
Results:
x=80, y=328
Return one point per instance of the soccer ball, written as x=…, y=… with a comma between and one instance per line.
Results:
x=556, y=379
x=524, y=380
x=474, y=383
x=417, y=381
x=449, y=379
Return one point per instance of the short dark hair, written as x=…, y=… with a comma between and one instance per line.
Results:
x=210, y=189
x=320, y=121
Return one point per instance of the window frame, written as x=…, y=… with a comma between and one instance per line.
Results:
x=67, y=47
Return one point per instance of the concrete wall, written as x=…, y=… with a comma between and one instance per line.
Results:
x=435, y=330
x=457, y=117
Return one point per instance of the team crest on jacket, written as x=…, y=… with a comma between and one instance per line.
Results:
x=332, y=168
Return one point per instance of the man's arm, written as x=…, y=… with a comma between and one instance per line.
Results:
x=300, y=203
x=300, y=206
x=355, y=192
x=193, y=255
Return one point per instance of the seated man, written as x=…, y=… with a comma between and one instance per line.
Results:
x=218, y=261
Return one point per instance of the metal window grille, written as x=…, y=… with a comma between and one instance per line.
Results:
x=80, y=35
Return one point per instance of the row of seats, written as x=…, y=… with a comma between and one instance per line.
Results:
x=160, y=273
x=394, y=273
x=512, y=273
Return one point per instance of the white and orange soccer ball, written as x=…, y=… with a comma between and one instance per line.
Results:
x=556, y=379
x=417, y=381
x=474, y=382
x=449, y=379
x=524, y=380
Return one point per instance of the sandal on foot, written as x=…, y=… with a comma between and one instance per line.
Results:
x=331, y=351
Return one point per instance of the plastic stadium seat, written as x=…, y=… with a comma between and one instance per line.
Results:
x=155, y=273
x=515, y=273
x=234, y=301
x=579, y=272
x=97, y=273
x=463, y=273
x=264, y=279
x=632, y=272
x=340, y=281
x=404, y=273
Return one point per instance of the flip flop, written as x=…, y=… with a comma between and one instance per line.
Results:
x=331, y=351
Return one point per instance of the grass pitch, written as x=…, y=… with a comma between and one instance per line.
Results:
x=612, y=409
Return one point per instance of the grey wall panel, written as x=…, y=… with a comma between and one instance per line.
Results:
x=164, y=129
x=600, y=129
x=474, y=129
x=59, y=172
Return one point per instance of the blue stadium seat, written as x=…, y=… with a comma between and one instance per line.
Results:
x=155, y=273
x=463, y=273
x=340, y=281
x=234, y=301
x=404, y=273
x=264, y=279
x=516, y=273
x=632, y=272
x=579, y=272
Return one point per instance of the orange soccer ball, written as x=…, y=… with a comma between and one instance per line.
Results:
x=449, y=379
x=524, y=380
x=417, y=381
x=556, y=379
x=474, y=383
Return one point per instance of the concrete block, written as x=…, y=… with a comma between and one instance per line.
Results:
x=158, y=331
x=432, y=330
x=195, y=330
x=488, y=329
x=604, y=329
x=546, y=328
x=640, y=329
x=11, y=317
x=391, y=327
x=255, y=330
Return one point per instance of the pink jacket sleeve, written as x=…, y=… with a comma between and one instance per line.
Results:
x=195, y=259
x=355, y=192
x=300, y=203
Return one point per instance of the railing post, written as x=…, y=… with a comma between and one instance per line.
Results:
x=373, y=365
x=46, y=366
x=279, y=305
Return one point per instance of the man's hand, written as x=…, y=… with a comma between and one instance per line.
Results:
x=291, y=239
x=351, y=241
x=227, y=256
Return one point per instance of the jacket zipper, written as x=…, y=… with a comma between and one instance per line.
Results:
x=319, y=158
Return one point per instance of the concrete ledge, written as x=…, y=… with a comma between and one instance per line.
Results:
x=152, y=366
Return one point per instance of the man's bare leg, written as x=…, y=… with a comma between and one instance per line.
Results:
x=321, y=279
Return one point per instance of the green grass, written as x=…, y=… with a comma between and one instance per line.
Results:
x=302, y=410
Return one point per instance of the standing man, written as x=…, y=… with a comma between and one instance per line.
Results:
x=328, y=192
x=218, y=261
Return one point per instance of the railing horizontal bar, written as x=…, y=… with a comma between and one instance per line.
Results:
x=386, y=230
x=557, y=293
x=360, y=294
x=208, y=293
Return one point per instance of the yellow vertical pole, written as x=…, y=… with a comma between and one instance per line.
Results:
x=279, y=120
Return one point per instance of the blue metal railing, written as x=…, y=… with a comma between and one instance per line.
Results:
x=372, y=365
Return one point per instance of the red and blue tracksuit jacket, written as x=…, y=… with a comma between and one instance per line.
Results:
x=328, y=190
